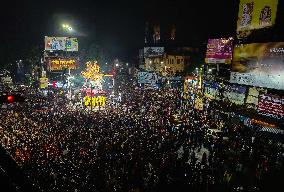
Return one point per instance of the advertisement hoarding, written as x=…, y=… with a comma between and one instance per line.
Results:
x=211, y=93
x=153, y=51
x=259, y=64
x=219, y=50
x=95, y=101
x=256, y=14
x=61, y=44
x=146, y=77
x=59, y=63
x=235, y=93
x=271, y=105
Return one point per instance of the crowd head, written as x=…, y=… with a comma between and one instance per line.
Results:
x=152, y=140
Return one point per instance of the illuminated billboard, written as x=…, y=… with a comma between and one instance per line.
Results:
x=256, y=14
x=259, y=64
x=61, y=44
x=95, y=101
x=153, y=51
x=271, y=105
x=57, y=63
x=219, y=50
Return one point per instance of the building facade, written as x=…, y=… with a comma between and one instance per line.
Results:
x=166, y=64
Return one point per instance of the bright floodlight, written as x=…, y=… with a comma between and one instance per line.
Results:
x=67, y=27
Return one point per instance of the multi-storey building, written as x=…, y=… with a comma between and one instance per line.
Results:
x=166, y=65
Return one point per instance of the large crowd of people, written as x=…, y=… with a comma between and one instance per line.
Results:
x=151, y=141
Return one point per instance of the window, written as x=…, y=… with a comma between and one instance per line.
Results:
x=178, y=61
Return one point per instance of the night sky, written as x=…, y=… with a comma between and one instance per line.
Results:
x=117, y=26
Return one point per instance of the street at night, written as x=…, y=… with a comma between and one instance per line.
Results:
x=146, y=96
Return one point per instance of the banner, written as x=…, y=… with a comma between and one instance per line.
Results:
x=57, y=63
x=271, y=105
x=153, y=51
x=256, y=14
x=92, y=92
x=236, y=88
x=146, y=77
x=95, y=101
x=253, y=94
x=211, y=90
x=219, y=50
x=71, y=44
x=235, y=94
x=259, y=64
x=211, y=93
x=43, y=82
x=61, y=44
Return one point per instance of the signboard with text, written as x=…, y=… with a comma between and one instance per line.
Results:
x=259, y=64
x=61, y=44
x=147, y=77
x=271, y=105
x=256, y=14
x=95, y=101
x=219, y=50
x=59, y=63
x=153, y=51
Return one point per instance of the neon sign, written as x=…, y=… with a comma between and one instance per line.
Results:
x=60, y=64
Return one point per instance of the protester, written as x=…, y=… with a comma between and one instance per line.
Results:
x=148, y=142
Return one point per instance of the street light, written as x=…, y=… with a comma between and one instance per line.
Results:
x=67, y=27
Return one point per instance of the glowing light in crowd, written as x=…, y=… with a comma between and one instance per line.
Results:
x=92, y=71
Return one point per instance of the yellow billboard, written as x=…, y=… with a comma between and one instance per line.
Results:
x=256, y=14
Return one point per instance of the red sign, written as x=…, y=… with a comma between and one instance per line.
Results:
x=272, y=105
